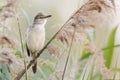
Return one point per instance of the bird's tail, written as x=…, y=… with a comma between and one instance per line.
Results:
x=34, y=67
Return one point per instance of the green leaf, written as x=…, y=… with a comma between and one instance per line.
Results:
x=4, y=73
x=18, y=54
x=110, y=47
x=85, y=55
x=90, y=77
x=1, y=8
x=108, y=53
x=98, y=76
x=116, y=69
x=2, y=77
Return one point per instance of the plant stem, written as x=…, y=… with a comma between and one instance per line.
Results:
x=22, y=46
x=68, y=56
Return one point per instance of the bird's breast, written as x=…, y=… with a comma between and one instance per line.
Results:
x=36, y=38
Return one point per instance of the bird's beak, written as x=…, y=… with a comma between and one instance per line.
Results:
x=48, y=16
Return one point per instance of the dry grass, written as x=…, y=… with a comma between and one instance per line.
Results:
x=7, y=56
x=8, y=10
x=54, y=50
x=7, y=40
x=88, y=16
x=99, y=63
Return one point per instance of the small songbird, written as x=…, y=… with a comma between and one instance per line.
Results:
x=36, y=37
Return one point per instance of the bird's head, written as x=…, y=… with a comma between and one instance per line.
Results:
x=41, y=18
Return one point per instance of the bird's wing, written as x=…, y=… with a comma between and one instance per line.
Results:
x=28, y=51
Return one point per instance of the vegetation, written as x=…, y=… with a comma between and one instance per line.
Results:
x=72, y=50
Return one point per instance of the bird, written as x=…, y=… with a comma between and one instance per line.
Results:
x=36, y=37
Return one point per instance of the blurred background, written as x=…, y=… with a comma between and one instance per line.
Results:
x=82, y=65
